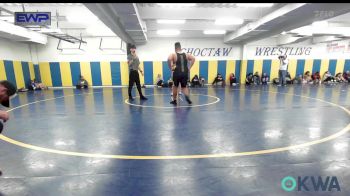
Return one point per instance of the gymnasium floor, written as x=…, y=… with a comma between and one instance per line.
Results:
x=232, y=141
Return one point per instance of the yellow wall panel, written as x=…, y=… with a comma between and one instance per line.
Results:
x=66, y=75
x=106, y=74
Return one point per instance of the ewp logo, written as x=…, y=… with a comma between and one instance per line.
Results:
x=318, y=183
x=32, y=18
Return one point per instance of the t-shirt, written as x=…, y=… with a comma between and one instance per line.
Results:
x=159, y=79
x=83, y=82
x=326, y=75
x=33, y=85
x=265, y=78
x=135, y=63
x=283, y=64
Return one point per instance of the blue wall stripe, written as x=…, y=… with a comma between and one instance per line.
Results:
x=222, y=69
x=250, y=66
x=26, y=73
x=37, y=72
x=166, y=71
x=203, y=70
x=300, y=67
x=238, y=70
x=316, y=67
x=148, y=72
x=96, y=73
x=75, y=71
x=346, y=65
x=332, y=66
x=267, y=67
x=55, y=71
x=10, y=72
x=116, y=75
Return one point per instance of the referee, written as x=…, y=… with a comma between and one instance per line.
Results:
x=134, y=62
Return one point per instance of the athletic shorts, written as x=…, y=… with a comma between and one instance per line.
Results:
x=180, y=78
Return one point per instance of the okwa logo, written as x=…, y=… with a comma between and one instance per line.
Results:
x=318, y=183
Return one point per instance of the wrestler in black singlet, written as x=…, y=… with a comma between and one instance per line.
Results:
x=180, y=74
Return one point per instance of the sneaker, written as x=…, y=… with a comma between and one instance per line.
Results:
x=188, y=100
x=173, y=102
x=278, y=85
x=143, y=98
x=131, y=99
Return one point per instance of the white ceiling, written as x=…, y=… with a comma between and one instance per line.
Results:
x=198, y=18
x=137, y=22
x=259, y=23
x=73, y=18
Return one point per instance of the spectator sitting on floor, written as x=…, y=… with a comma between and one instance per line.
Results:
x=307, y=78
x=233, y=80
x=195, y=81
x=201, y=80
x=264, y=78
x=35, y=85
x=288, y=78
x=316, y=77
x=328, y=78
x=219, y=80
x=82, y=83
x=339, y=78
x=256, y=78
x=159, y=81
x=346, y=76
x=298, y=79
x=249, y=79
x=170, y=82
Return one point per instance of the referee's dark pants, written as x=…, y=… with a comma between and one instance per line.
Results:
x=1, y=126
x=134, y=77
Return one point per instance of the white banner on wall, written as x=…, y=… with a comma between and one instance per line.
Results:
x=334, y=50
x=272, y=52
x=202, y=49
x=208, y=52
x=339, y=47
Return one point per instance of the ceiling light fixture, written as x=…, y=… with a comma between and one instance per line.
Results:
x=168, y=32
x=177, y=4
x=163, y=21
x=254, y=4
x=229, y=21
x=320, y=24
x=78, y=18
x=214, y=32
